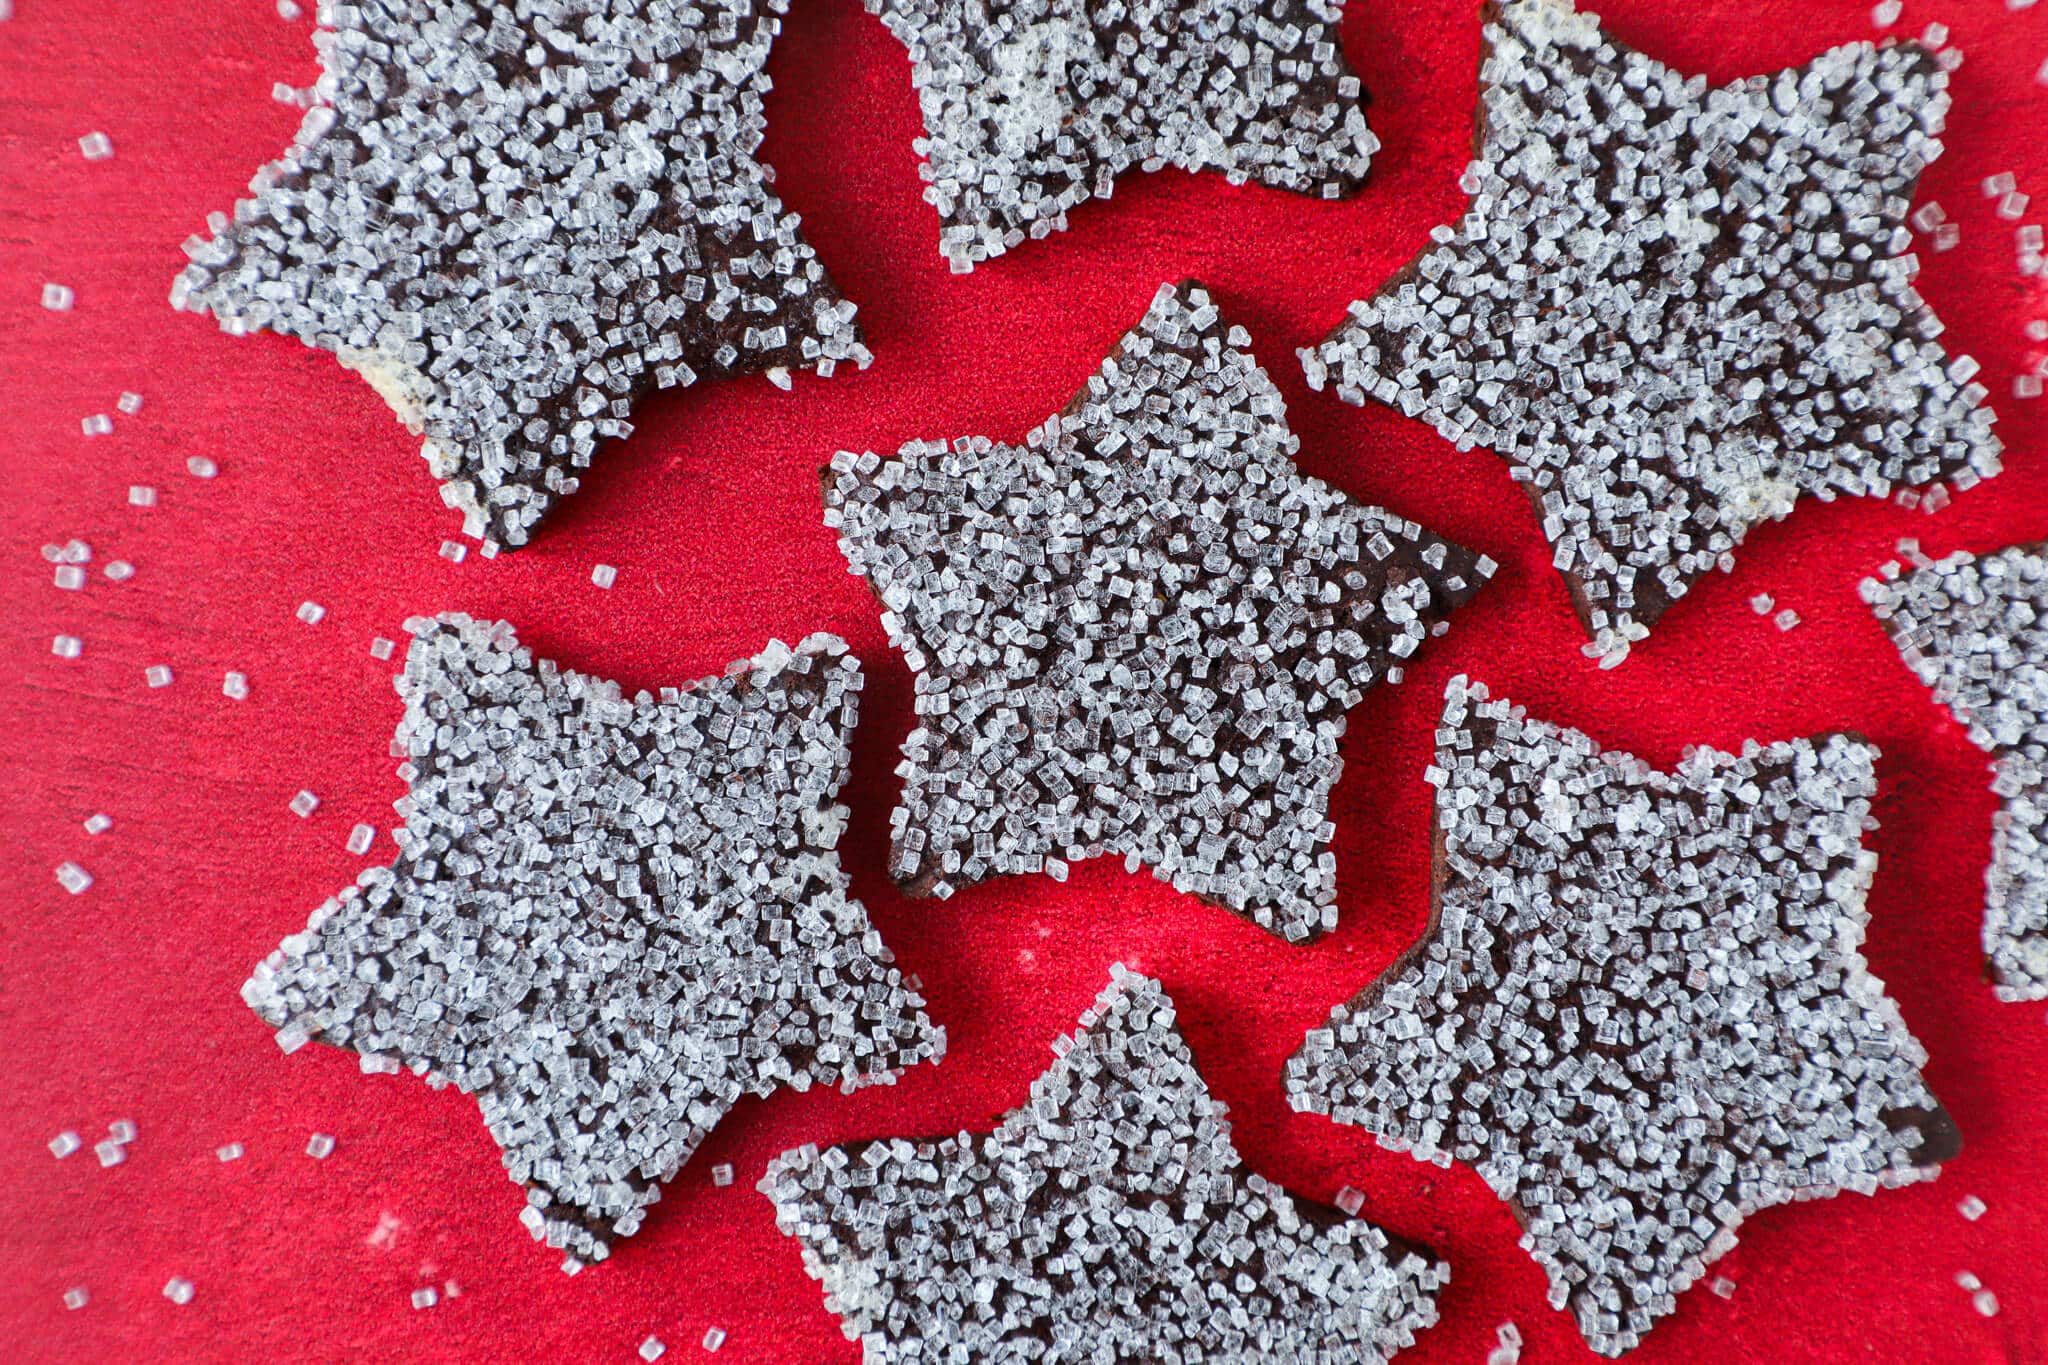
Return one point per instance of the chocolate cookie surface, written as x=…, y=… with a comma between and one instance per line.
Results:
x=1109, y=1219
x=611, y=917
x=1675, y=308
x=1975, y=630
x=1139, y=631
x=1640, y=1010
x=1034, y=106
x=516, y=217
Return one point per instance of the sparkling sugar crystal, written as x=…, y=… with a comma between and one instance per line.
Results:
x=516, y=219
x=1675, y=308
x=1641, y=1012
x=96, y=146
x=1108, y=1218
x=1974, y=629
x=1141, y=618
x=178, y=1290
x=676, y=855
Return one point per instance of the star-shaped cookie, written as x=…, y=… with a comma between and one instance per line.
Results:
x=1976, y=631
x=1640, y=1010
x=1108, y=1219
x=516, y=217
x=1673, y=309
x=611, y=917
x=1139, y=631
x=1035, y=106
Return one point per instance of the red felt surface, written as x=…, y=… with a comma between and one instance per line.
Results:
x=122, y=1002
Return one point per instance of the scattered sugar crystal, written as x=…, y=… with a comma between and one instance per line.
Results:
x=721, y=1174
x=320, y=1146
x=607, y=149
x=311, y=613
x=179, y=1290
x=1351, y=1201
x=714, y=1338
x=1622, y=375
x=1947, y=237
x=98, y=424
x=129, y=403
x=75, y=1297
x=712, y=821
x=65, y=1143
x=1968, y=1281
x=1934, y=37
x=231, y=1151
x=120, y=570
x=1617, y=941
x=1985, y=1302
x=58, y=298
x=122, y=1131
x=235, y=686
x=200, y=467
x=425, y=1297
x=604, y=575
x=1999, y=185
x=2012, y=206
x=1723, y=1287
x=2027, y=386
x=1972, y=1208
x=67, y=646
x=304, y=803
x=69, y=577
x=96, y=146
x=110, y=1152
x=73, y=878
x=454, y=551
x=381, y=648
x=157, y=675
x=141, y=495
x=652, y=1349
x=1077, y=575
x=1761, y=604
x=1886, y=13
x=287, y=9
x=360, y=838
x=99, y=823
x=1785, y=619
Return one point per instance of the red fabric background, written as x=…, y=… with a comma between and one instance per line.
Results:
x=122, y=1003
